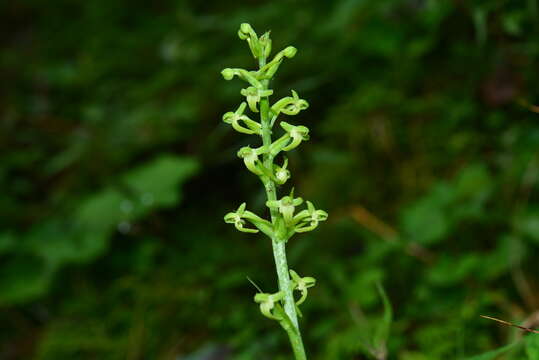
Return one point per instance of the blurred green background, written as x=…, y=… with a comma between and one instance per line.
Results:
x=116, y=171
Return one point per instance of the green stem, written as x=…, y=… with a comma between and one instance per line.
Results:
x=279, y=248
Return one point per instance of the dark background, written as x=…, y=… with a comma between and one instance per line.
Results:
x=116, y=171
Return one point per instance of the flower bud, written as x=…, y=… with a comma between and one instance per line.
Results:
x=290, y=52
x=245, y=31
x=265, y=44
x=228, y=74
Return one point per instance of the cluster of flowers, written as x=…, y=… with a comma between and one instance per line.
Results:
x=288, y=222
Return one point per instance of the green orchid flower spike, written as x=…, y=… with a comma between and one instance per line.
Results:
x=286, y=216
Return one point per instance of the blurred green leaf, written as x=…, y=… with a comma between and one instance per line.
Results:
x=51, y=244
x=156, y=183
x=528, y=224
x=22, y=277
x=381, y=335
x=7, y=242
x=532, y=346
x=425, y=222
x=450, y=270
x=494, y=354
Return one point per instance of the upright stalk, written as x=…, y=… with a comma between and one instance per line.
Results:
x=281, y=305
x=279, y=245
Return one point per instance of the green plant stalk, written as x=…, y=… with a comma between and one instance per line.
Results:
x=279, y=245
x=285, y=221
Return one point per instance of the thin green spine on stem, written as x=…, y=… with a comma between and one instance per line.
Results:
x=278, y=245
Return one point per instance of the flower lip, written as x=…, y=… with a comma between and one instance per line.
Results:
x=267, y=303
x=282, y=175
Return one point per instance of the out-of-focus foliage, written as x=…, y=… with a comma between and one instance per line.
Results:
x=32, y=258
x=116, y=171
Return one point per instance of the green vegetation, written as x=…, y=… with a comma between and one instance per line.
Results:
x=116, y=170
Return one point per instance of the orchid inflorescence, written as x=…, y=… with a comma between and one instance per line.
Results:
x=286, y=219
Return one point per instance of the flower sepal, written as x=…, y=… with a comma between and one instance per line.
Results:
x=308, y=219
x=234, y=118
x=290, y=105
x=239, y=217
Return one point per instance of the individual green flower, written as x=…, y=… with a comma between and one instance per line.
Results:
x=307, y=220
x=296, y=133
x=271, y=67
x=286, y=206
x=282, y=174
x=291, y=139
x=290, y=105
x=239, y=216
x=267, y=303
x=246, y=32
x=234, y=118
x=249, y=76
x=250, y=158
x=301, y=284
x=254, y=95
